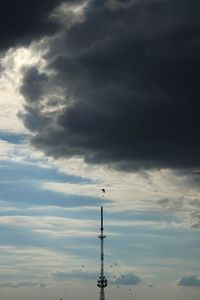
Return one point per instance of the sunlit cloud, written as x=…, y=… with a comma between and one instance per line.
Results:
x=11, y=101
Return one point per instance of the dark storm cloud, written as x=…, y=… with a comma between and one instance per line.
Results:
x=21, y=21
x=33, y=84
x=130, y=83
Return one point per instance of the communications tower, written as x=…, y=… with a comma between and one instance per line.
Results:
x=102, y=281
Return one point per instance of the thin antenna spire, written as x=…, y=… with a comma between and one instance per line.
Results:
x=102, y=281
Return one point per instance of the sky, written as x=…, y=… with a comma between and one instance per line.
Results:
x=99, y=94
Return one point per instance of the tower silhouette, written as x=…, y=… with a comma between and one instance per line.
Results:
x=102, y=281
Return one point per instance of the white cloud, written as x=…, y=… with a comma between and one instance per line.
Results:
x=23, y=154
x=11, y=101
x=6, y=149
x=56, y=226
x=161, y=190
x=37, y=264
x=70, y=13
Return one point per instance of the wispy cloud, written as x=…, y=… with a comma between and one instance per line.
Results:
x=54, y=226
x=19, y=284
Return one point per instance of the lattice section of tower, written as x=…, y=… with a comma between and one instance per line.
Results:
x=102, y=281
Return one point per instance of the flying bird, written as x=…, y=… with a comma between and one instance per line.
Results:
x=103, y=190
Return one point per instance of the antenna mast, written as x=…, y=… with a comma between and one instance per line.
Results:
x=102, y=281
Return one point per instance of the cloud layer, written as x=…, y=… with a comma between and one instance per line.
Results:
x=128, y=279
x=189, y=281
x=21, y=22
x=121, y=87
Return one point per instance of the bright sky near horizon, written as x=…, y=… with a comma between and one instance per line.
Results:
x=99, y=94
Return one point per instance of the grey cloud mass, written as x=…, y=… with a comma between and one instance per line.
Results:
x=190, y=281
x=22, y=21
x=126, y=84
x=128, y=279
